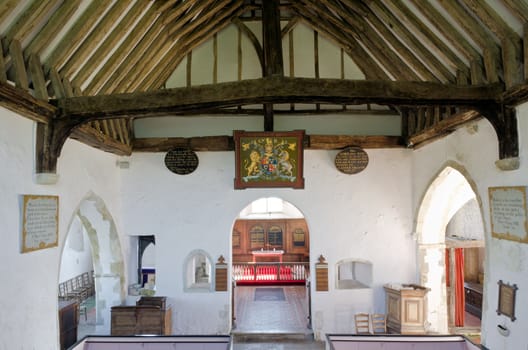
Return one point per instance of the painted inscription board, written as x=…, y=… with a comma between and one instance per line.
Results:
x=40, y=222
x=508, y=213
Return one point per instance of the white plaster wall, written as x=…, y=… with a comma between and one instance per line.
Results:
x=365, y=216
x=477, y=152
x=28, y=297
x=77, y=253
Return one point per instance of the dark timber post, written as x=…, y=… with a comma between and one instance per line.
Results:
x=272, y=47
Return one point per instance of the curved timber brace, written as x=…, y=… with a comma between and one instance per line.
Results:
x=49, y=141
x=504, y=121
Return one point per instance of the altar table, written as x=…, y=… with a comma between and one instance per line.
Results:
x=267, y=253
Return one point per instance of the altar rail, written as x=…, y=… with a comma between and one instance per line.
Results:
x=268, y=273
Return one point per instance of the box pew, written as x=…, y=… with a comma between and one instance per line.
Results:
x=398, y=342
x=154, y=343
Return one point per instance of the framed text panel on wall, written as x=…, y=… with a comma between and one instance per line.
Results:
x=508, y=213
x=40, y=222
x=269, y=159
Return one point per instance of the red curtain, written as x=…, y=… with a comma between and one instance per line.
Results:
x=459, y=288
x=459, y=284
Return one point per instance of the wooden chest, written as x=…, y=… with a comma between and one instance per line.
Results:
x=144, y=318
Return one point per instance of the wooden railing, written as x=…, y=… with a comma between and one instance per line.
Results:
x=270, y=272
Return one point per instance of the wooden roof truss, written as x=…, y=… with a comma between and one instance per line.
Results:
x=437, y=64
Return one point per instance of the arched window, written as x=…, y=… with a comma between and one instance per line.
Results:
x=274, y=237
x=256, y=237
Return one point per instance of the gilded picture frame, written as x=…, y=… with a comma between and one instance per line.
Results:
x=269, y=159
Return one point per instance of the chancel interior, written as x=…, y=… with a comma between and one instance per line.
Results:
x=234, y=168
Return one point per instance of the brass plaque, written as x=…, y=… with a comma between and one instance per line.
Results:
x=351, y=160
x=181, y=161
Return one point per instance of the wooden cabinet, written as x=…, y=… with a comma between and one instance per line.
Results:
x=150, y=316
x=406, y=308
x=473, y=297
x=68, y=322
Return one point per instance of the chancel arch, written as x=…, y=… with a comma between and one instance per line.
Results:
x=94, y=218
x=270, y=254
x=450, y=195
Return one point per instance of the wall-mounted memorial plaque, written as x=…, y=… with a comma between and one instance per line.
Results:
x=40, y=222
x=508, y=213
x=351, y=160
x=507, y=300
x=181, y=161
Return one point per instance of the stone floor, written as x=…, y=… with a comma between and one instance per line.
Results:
x=273, y=318
x=271, y=309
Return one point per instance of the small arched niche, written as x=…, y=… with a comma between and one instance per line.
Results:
x=353, y=274
x=198, y=272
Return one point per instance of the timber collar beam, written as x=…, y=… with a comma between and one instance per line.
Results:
x=273, y=90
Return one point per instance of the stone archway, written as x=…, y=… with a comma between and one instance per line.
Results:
x=107, y=257
x=450, y=190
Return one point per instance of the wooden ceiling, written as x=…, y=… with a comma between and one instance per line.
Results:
x=87, y=68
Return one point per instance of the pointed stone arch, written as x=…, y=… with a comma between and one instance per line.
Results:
x=449, y=190
x=107, y=256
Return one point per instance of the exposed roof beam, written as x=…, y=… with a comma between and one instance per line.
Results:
x=226, y=143
x=26, y=105
x=274, y=90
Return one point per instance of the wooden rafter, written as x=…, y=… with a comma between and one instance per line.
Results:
x=26, y=22
x=168, y=64
x=380, y=49
x=96, y=56
x=115, y=60
x=518, y=9
x=206, y=9
x=368, y=66
x=96, y=36
x=448, y=31
x=74, y=37
x=402, y=49
x=511, y=42
x=52, y=27
x=437, y=46
x=469, y=23
x=410, y=40
x=153, y=39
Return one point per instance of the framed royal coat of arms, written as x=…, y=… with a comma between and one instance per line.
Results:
x=269, y=159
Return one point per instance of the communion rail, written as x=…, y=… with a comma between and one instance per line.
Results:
x=268, y=273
